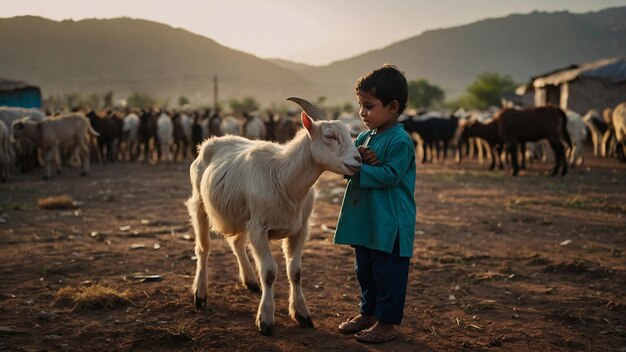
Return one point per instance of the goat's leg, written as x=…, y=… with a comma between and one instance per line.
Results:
x=48, y=156
x=595, y=141
x=479, y=150
x=298, y=310
x=246, y=272
x=523, y=154
x=268, y=270
x=559, y=156
x=493, y=158
x=200, y=224
x=512, y=148
x=605, y=142
x=83, y=151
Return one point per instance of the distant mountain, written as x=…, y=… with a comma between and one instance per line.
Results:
x=130, y=55
x=290, y=65
x=519, y=45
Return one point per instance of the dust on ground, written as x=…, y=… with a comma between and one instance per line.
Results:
x=532, y=263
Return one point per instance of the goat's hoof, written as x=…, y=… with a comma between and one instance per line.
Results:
x=83, y=173
x=45, y=178
x=253, y=286
x=304, y=322
x=200, y=302
x=266, y=329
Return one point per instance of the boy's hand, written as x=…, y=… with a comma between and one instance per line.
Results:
x=368, y=156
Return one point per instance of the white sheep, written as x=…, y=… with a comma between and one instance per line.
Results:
x=52, y=134
x=619, y=125
x=262, y=190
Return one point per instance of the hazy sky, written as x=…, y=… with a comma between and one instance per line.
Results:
x=314, y=32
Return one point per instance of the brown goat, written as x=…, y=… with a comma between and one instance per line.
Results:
x=489, y=132
x=532, y=125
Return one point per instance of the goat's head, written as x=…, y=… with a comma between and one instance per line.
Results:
x=19, y=127
x=331, y=144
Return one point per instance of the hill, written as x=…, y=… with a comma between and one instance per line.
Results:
x=131, y=55
x=519, y=45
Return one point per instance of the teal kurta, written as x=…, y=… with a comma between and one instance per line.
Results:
x=379, y=201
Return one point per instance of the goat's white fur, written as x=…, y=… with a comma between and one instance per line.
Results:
x=230, y=125
x=165, y=135
x=619, y=125
x=578, y=134
x=5, y=155
x=262, y=190
x=66, y=131
x=254, y=128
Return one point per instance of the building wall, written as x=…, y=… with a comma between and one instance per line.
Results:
x=585, y=94
x=25, y=98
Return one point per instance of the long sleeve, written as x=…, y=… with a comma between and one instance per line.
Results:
x=391, y=171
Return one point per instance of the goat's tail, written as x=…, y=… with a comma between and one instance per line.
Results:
x=564, y=132
x=92, y=131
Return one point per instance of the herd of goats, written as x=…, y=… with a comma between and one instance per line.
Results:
x=30, y=138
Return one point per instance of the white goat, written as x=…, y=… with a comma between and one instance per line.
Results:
x=165, y=135
x=578, y=134
x=593, y=121
x=254, y=128
x=11, y=114
x=230, y=125
x=130, y=135
x=262, y=190
x=5, y=156
x=619, y=125
x=66, y=131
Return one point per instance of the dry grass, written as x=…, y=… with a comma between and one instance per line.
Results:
x=92, y=297
x=56, y=202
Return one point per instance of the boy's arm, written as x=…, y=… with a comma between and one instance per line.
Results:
x=391, y=172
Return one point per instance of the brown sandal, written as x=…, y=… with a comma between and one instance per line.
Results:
x=374, y=337
x=351, y=325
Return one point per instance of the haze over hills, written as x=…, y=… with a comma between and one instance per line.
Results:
x=131, y=55
x=519, y=45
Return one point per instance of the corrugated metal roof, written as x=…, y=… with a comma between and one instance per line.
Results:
x=611, y=70
x=8, y=85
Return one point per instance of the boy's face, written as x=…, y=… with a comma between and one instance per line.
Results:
x=374, y=114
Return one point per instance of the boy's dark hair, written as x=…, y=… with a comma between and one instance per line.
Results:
x=386, y=84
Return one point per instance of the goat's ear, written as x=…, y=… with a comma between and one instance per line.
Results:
x=308, y=123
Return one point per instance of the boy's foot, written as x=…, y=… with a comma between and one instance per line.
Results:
x=378, y=333
x=356, y=324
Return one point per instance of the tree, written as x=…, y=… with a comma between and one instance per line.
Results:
x=108, y=99
x=487, y=90
x=140, y=100
x=247, y=104
x=424, y=95
x=183, y=100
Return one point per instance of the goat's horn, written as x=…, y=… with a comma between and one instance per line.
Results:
x=310, y=109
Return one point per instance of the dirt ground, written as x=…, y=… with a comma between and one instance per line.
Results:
x=532, y=263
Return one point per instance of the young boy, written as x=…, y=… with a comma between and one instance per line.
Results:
x=378, y=211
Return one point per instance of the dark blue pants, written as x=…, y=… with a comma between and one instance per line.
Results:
x=383, y=279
